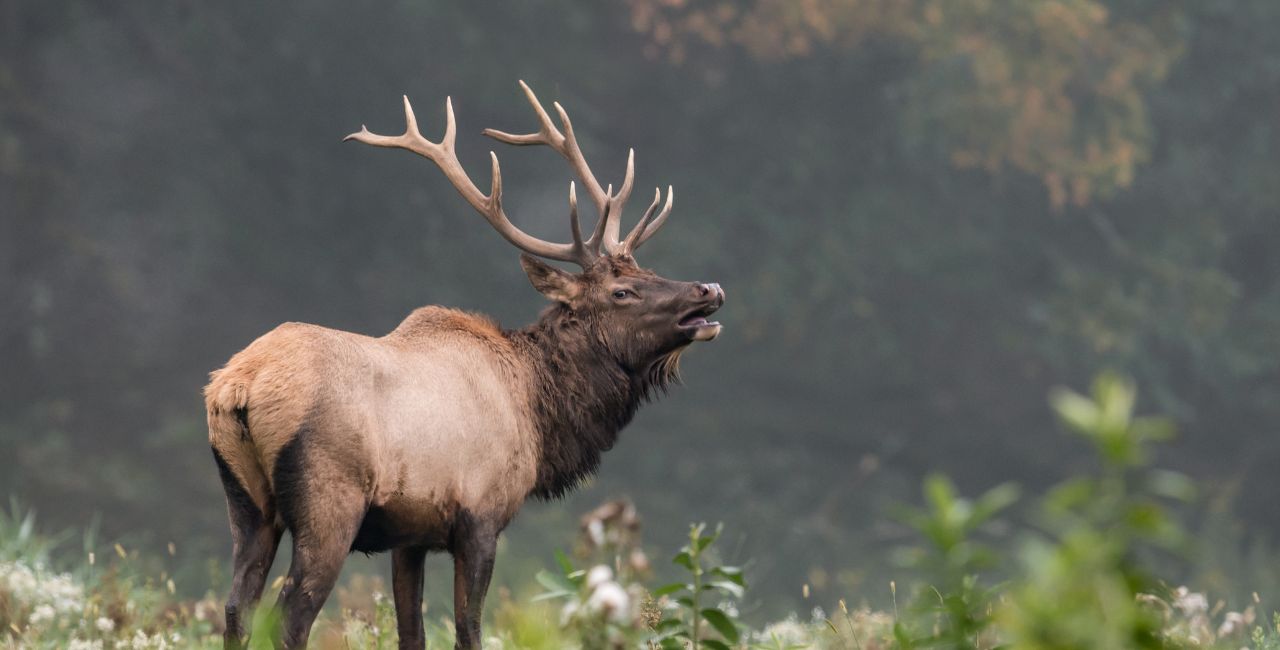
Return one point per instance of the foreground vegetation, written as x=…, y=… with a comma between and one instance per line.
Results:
x=1081, y=573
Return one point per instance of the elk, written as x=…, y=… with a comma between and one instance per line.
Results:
x=432, y=437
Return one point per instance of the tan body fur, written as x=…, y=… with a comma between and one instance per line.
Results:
x=428, y=415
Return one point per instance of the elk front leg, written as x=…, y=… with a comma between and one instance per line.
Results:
x=406, y=583
x=474, y=546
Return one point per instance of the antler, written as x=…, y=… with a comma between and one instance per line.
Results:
x=606, y=234
x=604, y=237
x=490, y=205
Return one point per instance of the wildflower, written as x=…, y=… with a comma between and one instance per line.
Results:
x=598, y=575
x=639, y=561
x=42, y=613
x=789, y=632
x=105, y=624
x=610, y=599
x=1234, y=622
x=595, y=532
x=84, y=644
x=1190, y=603
x=818, y=615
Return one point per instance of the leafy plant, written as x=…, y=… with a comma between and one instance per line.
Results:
x=689, y=610
x=605, y=605
x=955, y=604
x=1082, y=579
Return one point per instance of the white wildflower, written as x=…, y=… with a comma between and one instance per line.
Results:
x=595, y=531
x=567, y=613
x=105, y=624
x=35, y=587
x=818, y=615
x=1234, y=622
x=1189, y=602
x=610, y=599
x=788, y=632
x=85, y=644
x=42, y=614
x=598, y=575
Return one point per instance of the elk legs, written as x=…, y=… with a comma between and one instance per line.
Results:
x=254, y=538
x=318, y=553
x=474, y=545
x=406, y=583
x=252, y=559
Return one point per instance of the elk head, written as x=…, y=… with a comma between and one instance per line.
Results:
x=637, y=316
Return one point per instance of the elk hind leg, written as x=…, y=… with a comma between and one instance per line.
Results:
x=255, y=538
x=323, y=520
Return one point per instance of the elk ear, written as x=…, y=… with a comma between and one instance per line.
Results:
x=550, y=281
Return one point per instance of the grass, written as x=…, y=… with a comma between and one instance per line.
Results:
x=1079, y=574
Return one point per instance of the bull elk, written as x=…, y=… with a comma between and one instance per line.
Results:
x=430, y=438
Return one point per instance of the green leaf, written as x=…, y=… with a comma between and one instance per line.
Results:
x=704, y=542
x=900, y=635
x=555, y=582
x=666, y=590
x=731, y=573
x=672, y=643
x=1076, y=410
x=939, y=492
x=715, y=645
x=566, y=566
x=992, y=502
x=720, y=621
x=551, y=595
x=683, y=559
x=730, y=588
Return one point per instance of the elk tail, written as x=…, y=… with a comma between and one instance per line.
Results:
x=227, y=404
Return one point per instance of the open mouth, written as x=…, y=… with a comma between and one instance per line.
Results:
x=697, y=324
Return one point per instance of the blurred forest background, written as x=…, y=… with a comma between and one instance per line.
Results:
x=925, y=214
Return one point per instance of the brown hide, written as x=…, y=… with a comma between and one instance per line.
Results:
x=432, y=417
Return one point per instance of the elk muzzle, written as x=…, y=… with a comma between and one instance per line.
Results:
x=708, y=298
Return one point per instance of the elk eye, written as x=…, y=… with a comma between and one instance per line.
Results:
x=622, y=294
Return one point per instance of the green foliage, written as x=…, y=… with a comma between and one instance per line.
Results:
x=1083, y=578
x=606, y=605
x=690, y=615
x=954, y=608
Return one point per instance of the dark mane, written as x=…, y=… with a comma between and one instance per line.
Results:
x=582, y=396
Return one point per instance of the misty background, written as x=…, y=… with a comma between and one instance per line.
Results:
x=925, y=214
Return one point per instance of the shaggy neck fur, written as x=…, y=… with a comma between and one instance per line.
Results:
x=582, y=396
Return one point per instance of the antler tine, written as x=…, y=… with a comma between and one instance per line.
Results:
x=490, y=206
x=629, y=243
x=573, y=153
x=595, y=241
x=575, y=228
x=653, y=226
x=547, y=133
x=613, y=224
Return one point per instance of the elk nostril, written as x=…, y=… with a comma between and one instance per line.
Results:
x=703, y=289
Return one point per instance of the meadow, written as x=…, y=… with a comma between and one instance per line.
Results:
x=1081, y=569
